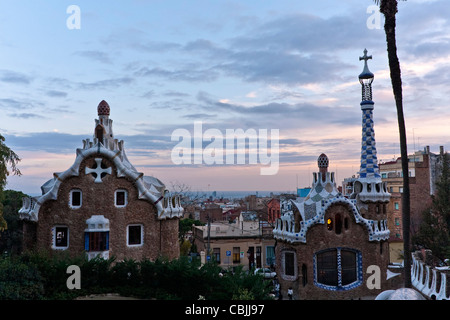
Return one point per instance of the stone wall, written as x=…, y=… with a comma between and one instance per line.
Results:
x=432, y=281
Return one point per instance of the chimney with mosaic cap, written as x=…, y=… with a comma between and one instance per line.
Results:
x=103, y=125
x=322, y=163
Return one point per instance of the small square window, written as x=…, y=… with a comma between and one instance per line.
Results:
x=135, y=235
x=121, y=198
x=60, y=237
x=75, y=198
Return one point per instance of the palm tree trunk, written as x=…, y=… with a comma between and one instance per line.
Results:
x=389, y=10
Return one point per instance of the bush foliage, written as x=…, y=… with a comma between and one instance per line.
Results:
x=43, y=276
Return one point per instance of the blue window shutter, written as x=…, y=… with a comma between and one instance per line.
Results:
x=86, y=241
x=107, y=240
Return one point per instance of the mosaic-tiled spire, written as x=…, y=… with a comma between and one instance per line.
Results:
x=369, y=163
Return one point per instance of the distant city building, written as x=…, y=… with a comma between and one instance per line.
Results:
x=424, y=170
x=303, y=192
x=245, y=241
x=273, y=210
x=211, y=211
x=103, y=206
x=347, y=186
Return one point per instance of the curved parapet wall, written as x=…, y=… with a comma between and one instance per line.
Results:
x=434, y=283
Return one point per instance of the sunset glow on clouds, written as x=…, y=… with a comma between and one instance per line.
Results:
x=162, y=65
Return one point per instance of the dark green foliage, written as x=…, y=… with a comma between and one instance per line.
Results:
x=19, y=281
x=185, y=225
x=44, y=276
x=433, y=235
x=7, y=159
x=11, y=235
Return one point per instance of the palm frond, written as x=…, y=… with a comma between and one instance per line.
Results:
x=377, y=2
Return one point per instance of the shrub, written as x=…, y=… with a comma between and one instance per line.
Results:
x=19, y=281
x=41, y=275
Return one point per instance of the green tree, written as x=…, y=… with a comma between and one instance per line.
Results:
x=433, y=235
x=185, y=247
x=389, y=9
x=8, y=158
x=11, y=238
x=185, y=225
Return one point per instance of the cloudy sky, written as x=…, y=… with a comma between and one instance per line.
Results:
x=290, y=65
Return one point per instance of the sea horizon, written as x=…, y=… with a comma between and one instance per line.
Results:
x=233, y=194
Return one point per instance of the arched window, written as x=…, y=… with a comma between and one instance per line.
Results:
x=96, y=237
x=338, y=269
x=289, y=265
x=304, y=275
x=346, y=223
x=338, y=223
x=99, y=133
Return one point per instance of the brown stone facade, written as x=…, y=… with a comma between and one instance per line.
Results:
x=160, y=237
x=340, y=238
x=103, y=206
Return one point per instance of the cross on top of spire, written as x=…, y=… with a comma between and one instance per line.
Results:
x=365, y=57
x=366, y=74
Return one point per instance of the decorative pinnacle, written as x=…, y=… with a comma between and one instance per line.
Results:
x=366, y=78
x=365, y=74
x=103, y=108
x=365, y=57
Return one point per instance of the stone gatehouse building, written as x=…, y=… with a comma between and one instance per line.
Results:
x=327, y=242
x=102, y=205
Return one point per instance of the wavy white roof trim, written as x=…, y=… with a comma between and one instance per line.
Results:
x=285, y=226
x=150, y=188
x=312, y=211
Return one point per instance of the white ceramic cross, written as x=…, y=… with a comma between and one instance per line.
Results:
x=98, y=170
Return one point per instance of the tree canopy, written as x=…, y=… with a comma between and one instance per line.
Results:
x=8, y=165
